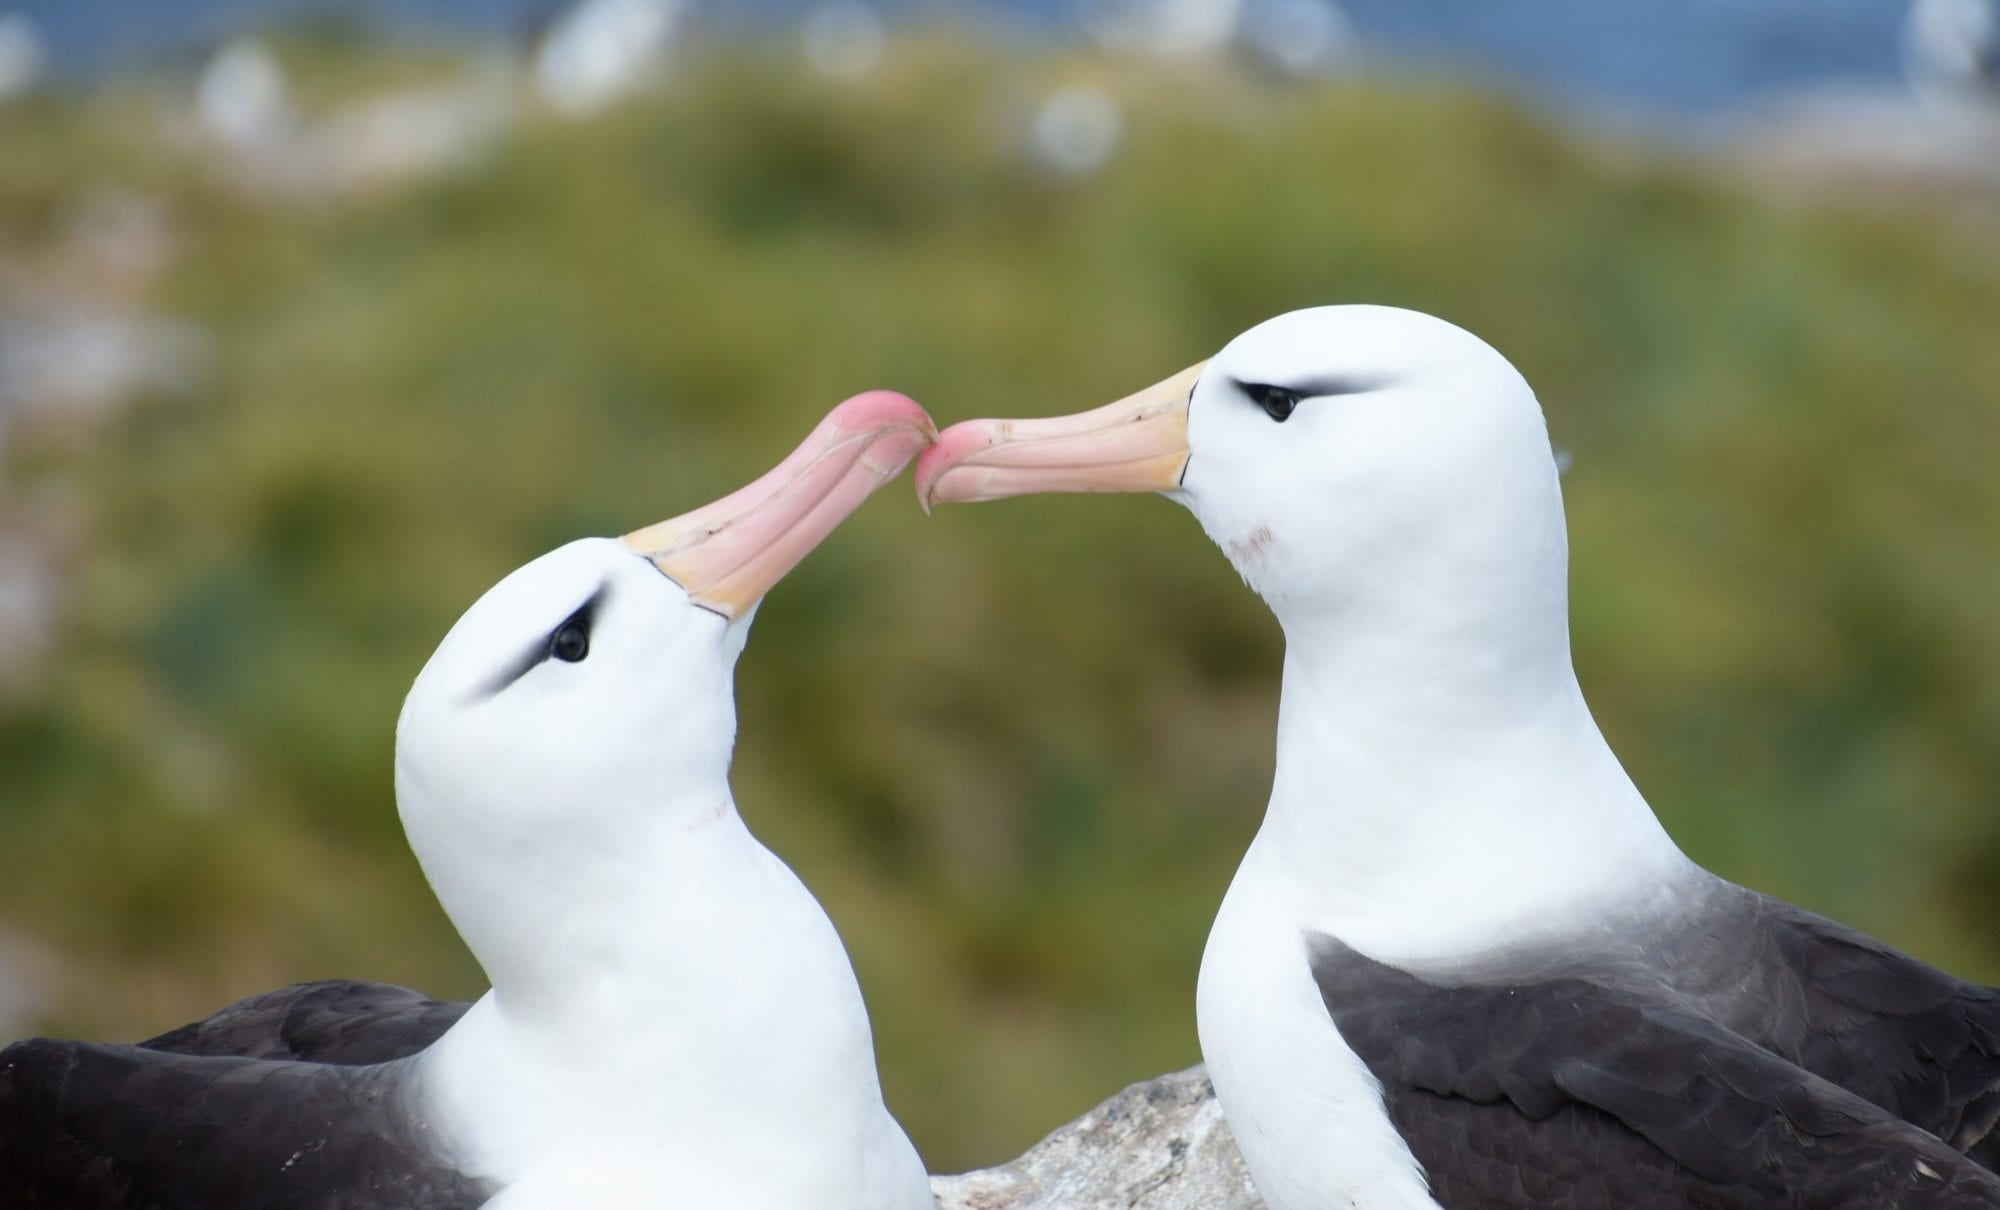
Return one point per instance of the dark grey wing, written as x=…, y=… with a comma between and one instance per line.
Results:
x=1877, y=1022
x=348, y=1021
x=86, y=1127
x=1563, y=1093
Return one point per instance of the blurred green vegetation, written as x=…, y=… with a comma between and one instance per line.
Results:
x=1016, y=750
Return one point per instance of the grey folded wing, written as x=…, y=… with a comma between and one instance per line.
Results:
x=89, y=1127
x=341, y=1021
x=1566, y=1093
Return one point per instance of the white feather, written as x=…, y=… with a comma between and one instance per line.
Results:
x=673, y=1020
x=1441, y=790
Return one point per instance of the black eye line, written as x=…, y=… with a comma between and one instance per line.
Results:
x=545, y=646
x=1314, y=388
x=1270, y=397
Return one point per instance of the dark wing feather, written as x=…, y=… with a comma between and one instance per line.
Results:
x=1890, y=1029
x=87, y=1127
x=1564, y=1093
x=345, y=1021
x=1916, y=1041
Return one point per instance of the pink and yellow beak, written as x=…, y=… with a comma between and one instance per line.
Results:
x=1138, y=444
x=728, y=554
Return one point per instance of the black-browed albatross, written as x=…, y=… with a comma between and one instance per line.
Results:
x=673, y=1021
x=1461, y=963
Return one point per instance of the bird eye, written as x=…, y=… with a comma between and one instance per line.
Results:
x=1278, y=402
x=571, y=641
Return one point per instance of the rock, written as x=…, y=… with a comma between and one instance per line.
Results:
x=1160, y=1145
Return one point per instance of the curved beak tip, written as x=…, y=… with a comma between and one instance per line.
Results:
x=882, y=410
x=727, y=554
x=953, y=448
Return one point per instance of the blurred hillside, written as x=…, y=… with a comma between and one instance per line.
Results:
x=1016, y=750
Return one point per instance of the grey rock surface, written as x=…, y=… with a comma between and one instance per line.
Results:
x=1160, y=1145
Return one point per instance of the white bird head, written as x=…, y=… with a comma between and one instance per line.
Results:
x=584, y=707
x=1385, y=481
x=1349, y=460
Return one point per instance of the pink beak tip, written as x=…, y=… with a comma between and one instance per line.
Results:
x=880, y=410
x=953, y=446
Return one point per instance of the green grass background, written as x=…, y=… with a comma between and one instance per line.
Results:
x=1016, y=750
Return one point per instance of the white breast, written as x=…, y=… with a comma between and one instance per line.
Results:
x=715, y=1053
x=1305, y=1110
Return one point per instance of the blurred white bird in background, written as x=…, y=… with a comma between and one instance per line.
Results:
x=600, y=50
x=1297, y=37
x=1292, y=37
x=243, y=97
x=1951, y=51
x=21, y=55
x=845, y=40
x=1075, y=131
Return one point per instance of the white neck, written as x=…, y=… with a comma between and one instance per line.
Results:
x=1441, y=787
x=1442, y=797
x=701, y=1015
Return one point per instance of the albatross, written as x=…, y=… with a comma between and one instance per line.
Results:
x=672, y=1021
x=1462, y=964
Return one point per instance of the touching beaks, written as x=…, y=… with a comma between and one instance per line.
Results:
x=728, y=554
x=1138, y=444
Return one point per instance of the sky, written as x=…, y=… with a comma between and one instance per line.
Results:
x=1677, y=55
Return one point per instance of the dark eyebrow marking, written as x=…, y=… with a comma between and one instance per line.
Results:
x=532, y=658
x=1321, y=388
x=1351, y=384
